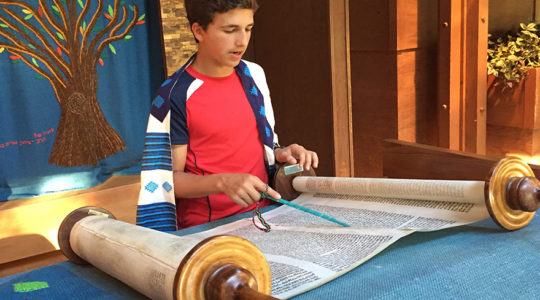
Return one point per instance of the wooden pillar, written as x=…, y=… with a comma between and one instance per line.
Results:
x=476, y=37
x=462, y=75
x=449, y=75
x=341, y=87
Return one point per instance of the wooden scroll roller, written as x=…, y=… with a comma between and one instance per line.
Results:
x=164, y=266
x=511, y=192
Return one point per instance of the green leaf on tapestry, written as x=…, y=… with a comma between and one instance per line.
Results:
x=3, y=25
x=111, y=11
x=112, y=48
x=28, y=17
x=26, y=30
x=35, y=62
x=128, y=37
x=131, y=7
x=55, y=10
x=29, y=286
x=32, y=46
x=141, y=17
x=39, y=76
x=84, y=25
x=96, y=29
x=122, y=2
x=60, y=36
x=80, y=3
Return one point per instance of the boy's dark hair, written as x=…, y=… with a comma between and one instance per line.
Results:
x=202, y=11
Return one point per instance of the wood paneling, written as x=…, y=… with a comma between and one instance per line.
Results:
x=463, y=73
x=393, y=54
x=291, y=43
x=341, y=88
x=30, y=226
x=416, y=161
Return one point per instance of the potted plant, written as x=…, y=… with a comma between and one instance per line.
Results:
x=513, y=100
x=512, y=67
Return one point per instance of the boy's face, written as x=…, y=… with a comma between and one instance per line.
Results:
x=225, y=40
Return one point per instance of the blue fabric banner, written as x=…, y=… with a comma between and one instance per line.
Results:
x=76, y=85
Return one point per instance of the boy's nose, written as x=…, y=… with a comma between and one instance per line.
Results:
x=242, y=38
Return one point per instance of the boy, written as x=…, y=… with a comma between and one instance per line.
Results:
x=221, y=120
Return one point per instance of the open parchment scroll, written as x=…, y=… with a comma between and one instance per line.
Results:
x=305, y=251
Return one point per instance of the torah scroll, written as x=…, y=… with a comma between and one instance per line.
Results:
x=305, y=251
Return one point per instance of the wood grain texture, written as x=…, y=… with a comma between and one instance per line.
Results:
x=341, y=88
x=30, y=226
x=416, y=161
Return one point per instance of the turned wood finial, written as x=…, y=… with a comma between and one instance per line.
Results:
x=523, y=193
x=283, y=182
x=230, y=282
x=512, y=193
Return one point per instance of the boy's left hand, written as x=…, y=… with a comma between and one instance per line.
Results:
x=296, y=154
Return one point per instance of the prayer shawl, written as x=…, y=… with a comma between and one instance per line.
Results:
x=156, y=207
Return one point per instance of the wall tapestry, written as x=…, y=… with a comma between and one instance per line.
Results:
x=76, y=85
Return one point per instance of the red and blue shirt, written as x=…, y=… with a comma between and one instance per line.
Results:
x=227, y=124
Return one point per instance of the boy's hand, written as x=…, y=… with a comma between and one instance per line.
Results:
x=296, y=154
x=243, y=189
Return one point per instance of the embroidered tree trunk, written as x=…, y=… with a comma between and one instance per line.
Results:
x=69, y=50
x=83, y=135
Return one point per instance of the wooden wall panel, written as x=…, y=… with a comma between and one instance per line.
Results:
x=417, y=94
x=393, y=76
x=30, y=226
x=341, y=87
x=291, y=42
x=370, y=30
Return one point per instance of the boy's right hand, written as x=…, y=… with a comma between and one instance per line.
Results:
x=243, y=189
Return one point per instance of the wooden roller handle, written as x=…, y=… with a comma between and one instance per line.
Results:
x=230, y=282
x=523, y=193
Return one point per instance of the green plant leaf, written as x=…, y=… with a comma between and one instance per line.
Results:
x=111, y=11
x=113, y=50
x=128, y=37
x=80, y=3
x=35, y=62
x=141, y=17
x=32, y=46
x=60, y=36
x=3, y=25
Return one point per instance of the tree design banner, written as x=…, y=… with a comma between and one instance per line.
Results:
x=75, y=90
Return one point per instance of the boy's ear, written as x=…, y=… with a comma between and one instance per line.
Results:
x=198, y=31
